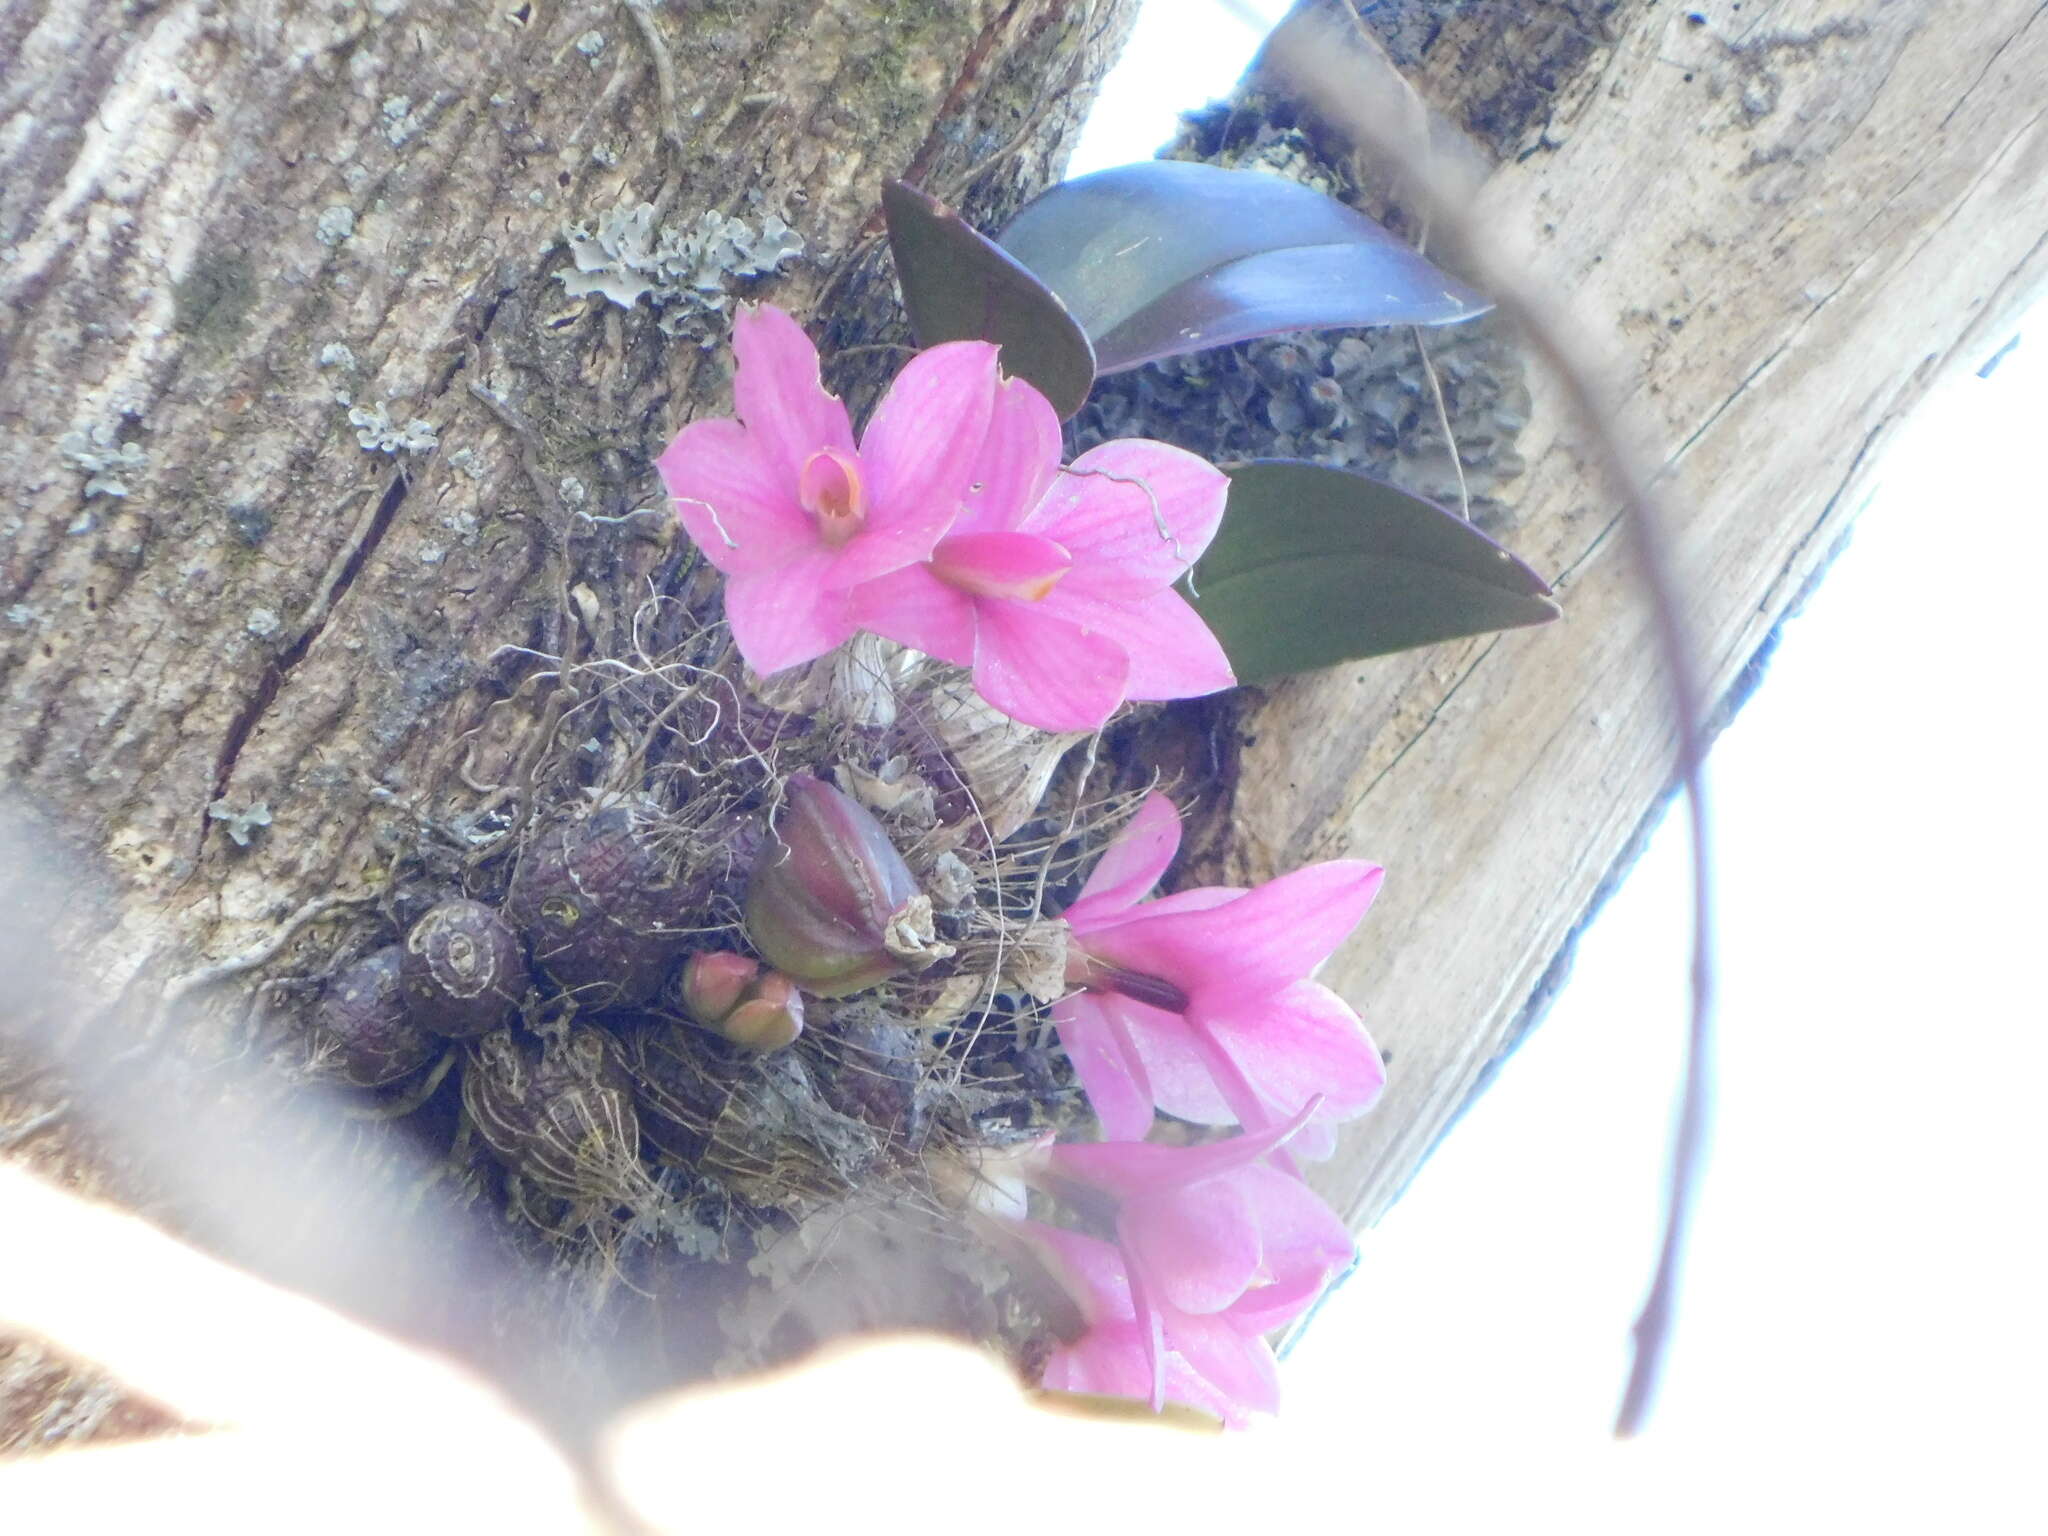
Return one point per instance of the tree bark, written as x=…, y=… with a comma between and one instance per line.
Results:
x=246, y=638
x=203, y=201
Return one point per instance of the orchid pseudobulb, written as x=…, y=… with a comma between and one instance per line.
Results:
x=1201, y=1003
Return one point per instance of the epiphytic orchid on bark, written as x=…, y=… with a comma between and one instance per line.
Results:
x=1200, y=1003
x=1056, y=586
x=793, y=513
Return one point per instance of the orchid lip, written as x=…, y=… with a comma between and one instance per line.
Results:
x=1023, y=567
x=830, y=488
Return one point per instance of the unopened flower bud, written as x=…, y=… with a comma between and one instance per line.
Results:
x=825, y=891
x=714, y=982
x=770, y=1019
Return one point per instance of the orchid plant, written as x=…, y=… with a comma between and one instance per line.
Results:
x=952, y=527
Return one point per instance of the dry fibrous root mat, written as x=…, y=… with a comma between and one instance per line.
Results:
x=492, y=1062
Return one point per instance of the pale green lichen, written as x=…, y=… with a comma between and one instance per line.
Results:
x=380, y=434
x=241, y=825
x=104, y=458
x=335, y=224
x=687, y=273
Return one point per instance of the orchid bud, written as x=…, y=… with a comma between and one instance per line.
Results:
x=713, y=984
x=831, y=902
x=769, y=1020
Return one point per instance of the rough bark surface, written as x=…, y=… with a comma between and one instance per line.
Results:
x=1793, y=218
x=224, y=226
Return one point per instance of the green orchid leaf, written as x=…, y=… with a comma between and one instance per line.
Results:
x=1169, y=256
x=961, y=286
x=1314, y=566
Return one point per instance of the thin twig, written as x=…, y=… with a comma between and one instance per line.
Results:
x=403, y=1105
x=664, y=76
x=261, y=954
x=14, y=1135
x=1443, y=421
x=523, y=432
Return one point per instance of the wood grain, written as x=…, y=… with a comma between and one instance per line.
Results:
x=1787, y=221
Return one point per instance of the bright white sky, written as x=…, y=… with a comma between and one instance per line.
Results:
x=1861, y=1336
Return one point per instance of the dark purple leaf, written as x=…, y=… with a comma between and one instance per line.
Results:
x=959, y=285
x=1169, y=256
x=1315, y=565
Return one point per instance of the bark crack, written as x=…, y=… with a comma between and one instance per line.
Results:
x=341, y=575
x=1351, y=811
x=956, y=94
x=1968, y=90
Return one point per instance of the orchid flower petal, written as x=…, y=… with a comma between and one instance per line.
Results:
x=1089, y=1270
x=1110, y=1362
x=731, y=501
x=1136, y=514
x=1018, y=459
x=1111, y=1072
x=778, y=395
x=1021, y=567
x=918, y=455
x=1315, y=1142
x=1198, y=1249
x=1143, y=1170
x=1249, y=948
x=1233, y=1370
x=1045, y=672
x=1303, y=1041
x=1131, y=865
x=1151, y=1329
x=1251, y=1108
x=784, y=618
x=914, y=608
x=1196, y=898
x=1174, y=654
x=1305, y=1245
x=1176, y=1065
x=1107, y=1361
x=1211, y=1363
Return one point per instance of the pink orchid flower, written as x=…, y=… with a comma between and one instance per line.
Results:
x=1056, y=586
x=1211, y=1228
x=1218, y=1362
x=1200, y=1003
x=793, y=513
